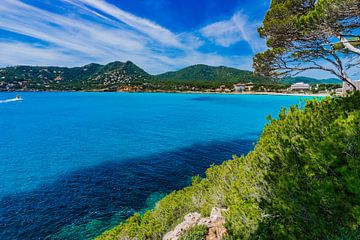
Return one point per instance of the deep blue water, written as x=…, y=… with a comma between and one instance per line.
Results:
x=75, y=164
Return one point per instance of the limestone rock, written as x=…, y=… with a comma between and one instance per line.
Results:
x=217, y=230
x=190, y=220
x=215, y=223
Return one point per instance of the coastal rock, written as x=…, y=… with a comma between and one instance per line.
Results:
x=190, y=220
x=216, y=230
x=216, y=215
x=215, y=223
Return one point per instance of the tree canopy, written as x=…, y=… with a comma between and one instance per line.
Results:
x=310, y=35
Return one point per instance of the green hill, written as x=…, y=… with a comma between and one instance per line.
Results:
x=91, y=76
x=302, y=181
x=48, y=73
x=223, y=75
x=116, y=75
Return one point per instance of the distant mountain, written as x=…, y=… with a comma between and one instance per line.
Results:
x=311, y=80
x=222, y=74
x=128, y=76
x=91, y=76
x=48, y=73
x=119, y=73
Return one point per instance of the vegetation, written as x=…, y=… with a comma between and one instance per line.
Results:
x=127, y=76
x=221, y=75
x=310, y=35
x=195, y=233
x=302, y=181
x=89, y=77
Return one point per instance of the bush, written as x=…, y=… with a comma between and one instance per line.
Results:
x=195, y=233
x=302, y=181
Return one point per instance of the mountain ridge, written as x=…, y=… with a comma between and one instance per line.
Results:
x=117, y=74
x=201, y=72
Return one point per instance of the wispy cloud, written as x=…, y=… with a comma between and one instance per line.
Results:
x=234, y=30
x=97, y=31
x=72, y=33
x=145, y=26
x=34, y=54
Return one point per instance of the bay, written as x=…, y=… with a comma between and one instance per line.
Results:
x=75, y=164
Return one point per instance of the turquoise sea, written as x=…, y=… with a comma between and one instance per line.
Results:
x=75, y=164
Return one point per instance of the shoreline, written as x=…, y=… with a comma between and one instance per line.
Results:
x=185, y=92
x=289, y=94
x=250, y=93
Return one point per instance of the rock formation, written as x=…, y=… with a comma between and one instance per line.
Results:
x=215, y=223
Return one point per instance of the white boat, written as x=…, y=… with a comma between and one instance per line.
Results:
x=17, y=98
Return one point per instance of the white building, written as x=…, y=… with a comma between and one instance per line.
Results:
x=300, y=86
x=239, y=87
x=347, y=87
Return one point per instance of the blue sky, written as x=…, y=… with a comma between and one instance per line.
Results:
x=158, y=35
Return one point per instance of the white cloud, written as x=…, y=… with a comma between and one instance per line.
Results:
x=68, y=32
x=229, y=32
x=99, y=32
x=154, y=30
x=28, y=54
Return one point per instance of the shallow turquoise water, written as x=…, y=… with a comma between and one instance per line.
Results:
x=81, y=162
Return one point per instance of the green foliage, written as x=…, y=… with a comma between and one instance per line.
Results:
x=89, y=77
x=118, y=75
x=220, y=75
x=313, y=170
x=302, y=181
x=195, y=233
x=313, y=32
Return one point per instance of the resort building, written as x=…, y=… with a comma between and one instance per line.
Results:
x=300, y=86
x=241, y=87
x=347, y=87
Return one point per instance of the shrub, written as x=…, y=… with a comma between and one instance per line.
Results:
x=195, y=233
x=302, y=181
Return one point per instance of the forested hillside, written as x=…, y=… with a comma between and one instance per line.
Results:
x=120, y=76
x=89, y=77
x=221, y=74
x=302, y=181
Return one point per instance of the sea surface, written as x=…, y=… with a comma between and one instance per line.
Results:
x=73, y=165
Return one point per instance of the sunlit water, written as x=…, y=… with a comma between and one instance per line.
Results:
x=75, y=164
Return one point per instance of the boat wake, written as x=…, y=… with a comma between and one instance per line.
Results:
x=11, y=100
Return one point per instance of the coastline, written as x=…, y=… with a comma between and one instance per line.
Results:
x=239, y=93
x=288, y=94
x=186, y=92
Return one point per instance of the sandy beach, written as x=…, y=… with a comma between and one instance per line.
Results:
x=241, y=93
